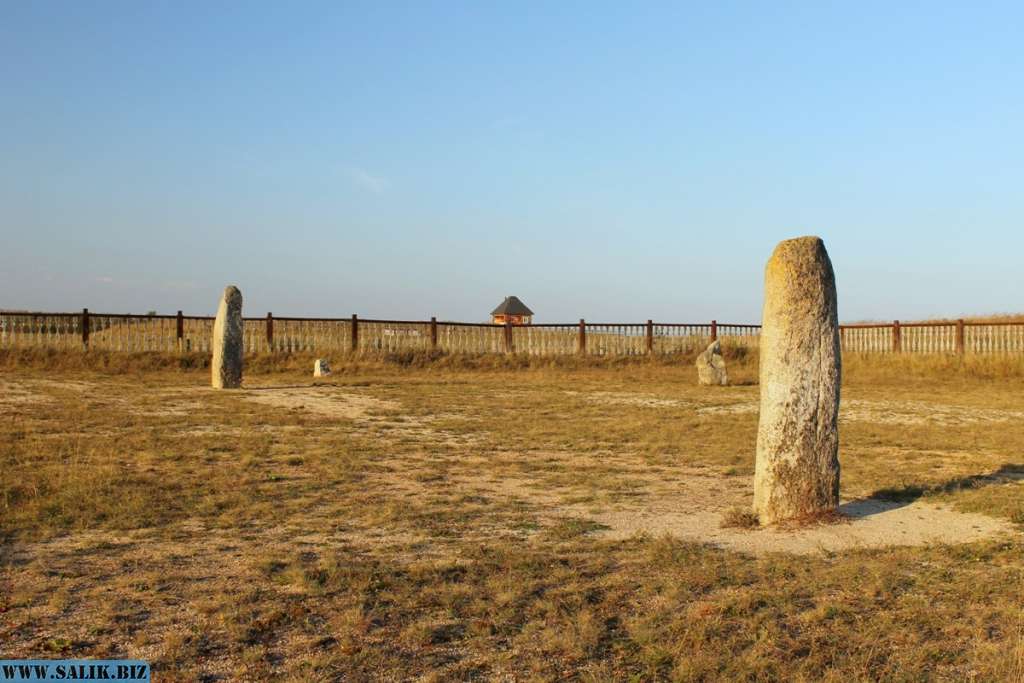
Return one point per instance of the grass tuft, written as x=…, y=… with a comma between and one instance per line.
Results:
x=740, y=518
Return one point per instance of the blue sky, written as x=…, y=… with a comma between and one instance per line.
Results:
x=614, y=161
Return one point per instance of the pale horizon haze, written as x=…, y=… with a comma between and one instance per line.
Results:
x=607, y=161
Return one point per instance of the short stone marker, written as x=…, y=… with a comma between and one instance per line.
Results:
x=321, y=368
x=227, y=341
x=797, y=468
x=711, y=366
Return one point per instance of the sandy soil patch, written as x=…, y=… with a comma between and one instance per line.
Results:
x=731, y=409
x=692, y=507
x=171, y=404
x=881, y=412
x=67, y=384
x=16, y=393
x=872, y=524
x=23, y=392
x=323, y=400
x=644, y=401
x=384, y=415
x=221, y=430
x=174, y=403
x=690, y=504
x=922, y=413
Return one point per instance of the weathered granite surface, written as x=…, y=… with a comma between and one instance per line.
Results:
x=228, y=341
x=711, y=366
x=797, y=468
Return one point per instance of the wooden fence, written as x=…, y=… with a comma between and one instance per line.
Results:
x=184, y=333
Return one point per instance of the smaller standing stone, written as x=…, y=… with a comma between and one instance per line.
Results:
x=711, y=366
x=227, y=341
x=321, y=368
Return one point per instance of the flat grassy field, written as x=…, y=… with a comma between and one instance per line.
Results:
x=438, y=521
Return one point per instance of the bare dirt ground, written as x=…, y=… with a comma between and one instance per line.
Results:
x=871, y=523
x=409, y=524
x=323, y=399
x=858, y=410
x=690, y=504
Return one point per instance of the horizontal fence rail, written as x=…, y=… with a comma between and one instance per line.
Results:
x=188, y=333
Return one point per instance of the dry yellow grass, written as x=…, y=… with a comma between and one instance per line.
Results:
x=987, y=318
x=990, y=318
x=453, y=518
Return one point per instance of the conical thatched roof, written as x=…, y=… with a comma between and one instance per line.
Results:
x=511, y=306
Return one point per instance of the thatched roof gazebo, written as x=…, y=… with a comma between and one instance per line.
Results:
x=512, y=310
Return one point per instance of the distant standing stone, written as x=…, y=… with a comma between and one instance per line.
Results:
x=797, y=469
x=227, y=341
x=321, y=368
x=711, y=366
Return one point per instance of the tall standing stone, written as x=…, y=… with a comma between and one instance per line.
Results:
x=227, y=341
x=797, y=469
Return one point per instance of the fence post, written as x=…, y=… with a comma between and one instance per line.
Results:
x=181, y=331
x=85, y=329
x=960, y=336
x=581, y=339
x=714, y=330
x=650, y=337
x=355, y=333
x=508, y=336
x=270, y=331
x=433, y=333
x=897, y=337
